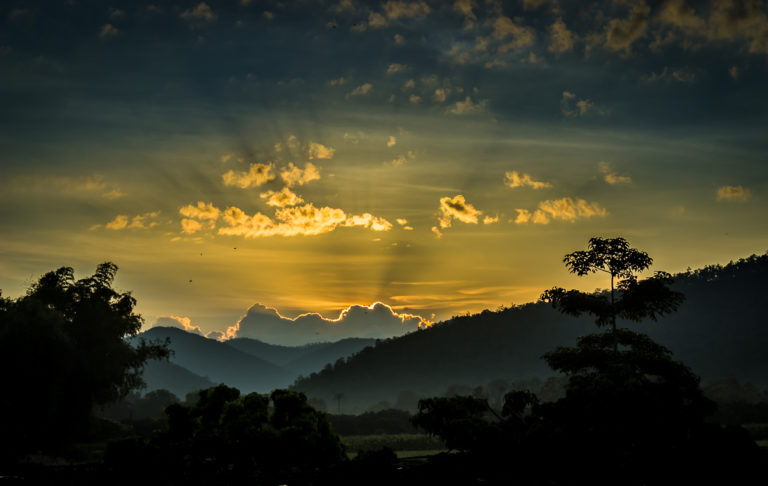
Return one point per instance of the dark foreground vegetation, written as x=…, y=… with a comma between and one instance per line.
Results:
x=629, y=413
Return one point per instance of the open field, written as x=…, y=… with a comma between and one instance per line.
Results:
x=397, y=442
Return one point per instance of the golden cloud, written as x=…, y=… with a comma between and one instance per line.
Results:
x=319, y=151
x=257, y=175
x=361, y=90
x=293, y=176
x=504, y=27
x=396, y=9
x=560, y=38
x=467, y=106
x=190, y=226
x=306, y=220
x=395, y=68
x=733, y=193
x=391, y=142
x=201, y=211
x=140, y=221
x=514, y=180
x=457, y=208
x=523, y=216
x=565, y=209
x=611, y=177
x=282, y=198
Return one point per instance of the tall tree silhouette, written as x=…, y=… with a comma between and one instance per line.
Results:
x=629, y=298
x=62, y=351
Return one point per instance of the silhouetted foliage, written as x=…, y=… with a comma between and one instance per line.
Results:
x=388, y=421
x=226, y=438
x=631, y=414
x=637, y=300
x=63, y=351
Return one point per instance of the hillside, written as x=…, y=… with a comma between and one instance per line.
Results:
x=248, y=364
x=274, y=353
x=719, y=332
x=219, y=362
x=174, y=378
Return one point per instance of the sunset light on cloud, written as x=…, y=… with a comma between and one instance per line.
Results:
x=246, y=161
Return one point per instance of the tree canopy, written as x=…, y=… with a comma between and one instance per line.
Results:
x=62, y=351
x=636, y=299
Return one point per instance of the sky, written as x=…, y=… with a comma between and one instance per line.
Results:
x=247, y=161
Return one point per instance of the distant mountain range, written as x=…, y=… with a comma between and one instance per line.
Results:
x=720, y=331
x=247, y=364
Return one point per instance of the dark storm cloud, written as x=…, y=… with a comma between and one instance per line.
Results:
x=64, y=63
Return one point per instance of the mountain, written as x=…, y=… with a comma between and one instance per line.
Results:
x=324, y=354
x=719, y=331
x=220, y=362
x=274, y=353
x=174, y=378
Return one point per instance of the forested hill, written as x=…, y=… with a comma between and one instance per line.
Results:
x=719, y=331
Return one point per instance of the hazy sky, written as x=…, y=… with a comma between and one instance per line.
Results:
x=439, y=157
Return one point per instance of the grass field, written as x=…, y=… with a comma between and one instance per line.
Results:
x=397, y=442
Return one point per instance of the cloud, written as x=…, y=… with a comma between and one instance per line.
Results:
x=397, y=9
x=399, y=40
x=178, y=322
x=395, y=68
x=319, y=151
x=391, y=141
x=113, y=194
x=367, y=220
x=201, y=12
x=410, y=84
x=457, y=208
x=465, y=7
x=611, y=177
x=306, y=220
x=377, y=320
x=415, y=99
x=514, y=180
x=259, y=174
x=140, y=221
x=491, y=219
x=467, y=106
x=191, y=226
x=523, y=216
x=107, y=31
x=338, y=81
x=402, y=221
x=684, y=76
x=361, y=90
x=504, y=27
x=282, y=198
x=293, y=176
x=575, y=108
x=202, y=211
x=733, y=193
x=437, y=232
x=565, y=209
x=441, y=94
x=561, y=39
x=621, y=33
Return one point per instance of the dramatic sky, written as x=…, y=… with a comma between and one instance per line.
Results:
x=439, y=157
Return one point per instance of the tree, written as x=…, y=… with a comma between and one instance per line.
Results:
x=226, y=438
x=636, y=299
x=63, y=351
